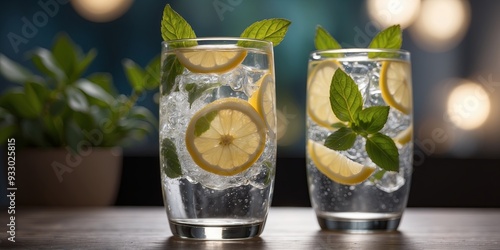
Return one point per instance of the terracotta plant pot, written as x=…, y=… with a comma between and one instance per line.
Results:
x=55, y=177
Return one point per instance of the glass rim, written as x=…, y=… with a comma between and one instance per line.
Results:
x=359, y=50
x=221, y=38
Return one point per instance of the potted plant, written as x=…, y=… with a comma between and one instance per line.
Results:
x=68, y=129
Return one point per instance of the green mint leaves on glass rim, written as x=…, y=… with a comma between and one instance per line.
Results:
x=272, y=30
x=347, y=104
x=323, y=40
x=174, y=26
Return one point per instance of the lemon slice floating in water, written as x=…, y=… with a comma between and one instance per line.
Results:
x=404, y=136
x=318, y=94
x=263, y=101
x=336, y=166
x=226, y=136
x=395, y=85
x=211, y=59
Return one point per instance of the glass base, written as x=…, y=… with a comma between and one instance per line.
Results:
x=216, y=232
x=359, y=222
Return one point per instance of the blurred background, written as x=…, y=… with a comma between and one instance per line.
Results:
x=455, y=63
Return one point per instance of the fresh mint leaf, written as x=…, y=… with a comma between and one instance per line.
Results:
x=372, y=119
x=324, y=41
x=171, y=69
x=272, y=30
x=342, y=139
x=174, y=26
x=390, y=38
x=195, y=91
x=338, y=125
x=135, y=75
x=345, y=98
x=172, y=166
x=383, y=151
x=203, y=124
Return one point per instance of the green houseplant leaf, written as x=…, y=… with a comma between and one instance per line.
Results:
x=56, y=106
x=13, y=71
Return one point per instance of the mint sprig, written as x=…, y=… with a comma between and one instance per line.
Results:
x=342, y=139
x=347, y=104
x=195, y=91
x=272, y=30
x=174, y=26
x=345, y=98
x=372, y=119
x=382, y=151
x=172, y=166
x=203, y=124
x=389, y=38
x=324, y=41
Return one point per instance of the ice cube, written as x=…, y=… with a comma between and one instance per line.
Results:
x=236, y=79
x=390, y=182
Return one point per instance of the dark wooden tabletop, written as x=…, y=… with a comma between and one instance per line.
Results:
x=286, y=228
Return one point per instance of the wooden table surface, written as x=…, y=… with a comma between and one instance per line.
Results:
x=286, y=228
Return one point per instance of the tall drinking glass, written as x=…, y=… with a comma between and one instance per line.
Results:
x=217, y=136
x=348, y=190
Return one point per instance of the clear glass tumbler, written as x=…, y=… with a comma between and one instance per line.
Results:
x=359, y=165
x=217, y=136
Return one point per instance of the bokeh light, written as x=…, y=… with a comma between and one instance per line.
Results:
x=101, y=10
x=441, y=24
x=390, y=12
x=468, y=105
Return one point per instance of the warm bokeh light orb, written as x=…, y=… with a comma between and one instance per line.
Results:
x=390, y=12
x=101, y=10
x=468, y=105
x=441, y=24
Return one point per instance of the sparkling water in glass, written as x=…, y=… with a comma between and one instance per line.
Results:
x=378, y=202
x=220, y=75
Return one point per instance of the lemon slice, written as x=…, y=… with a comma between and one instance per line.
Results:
x=395, y=85
x=404, y=136
x=263, y=101
x=318, y=94
x=337, y=167
x=226, y=136
x=211, y=59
